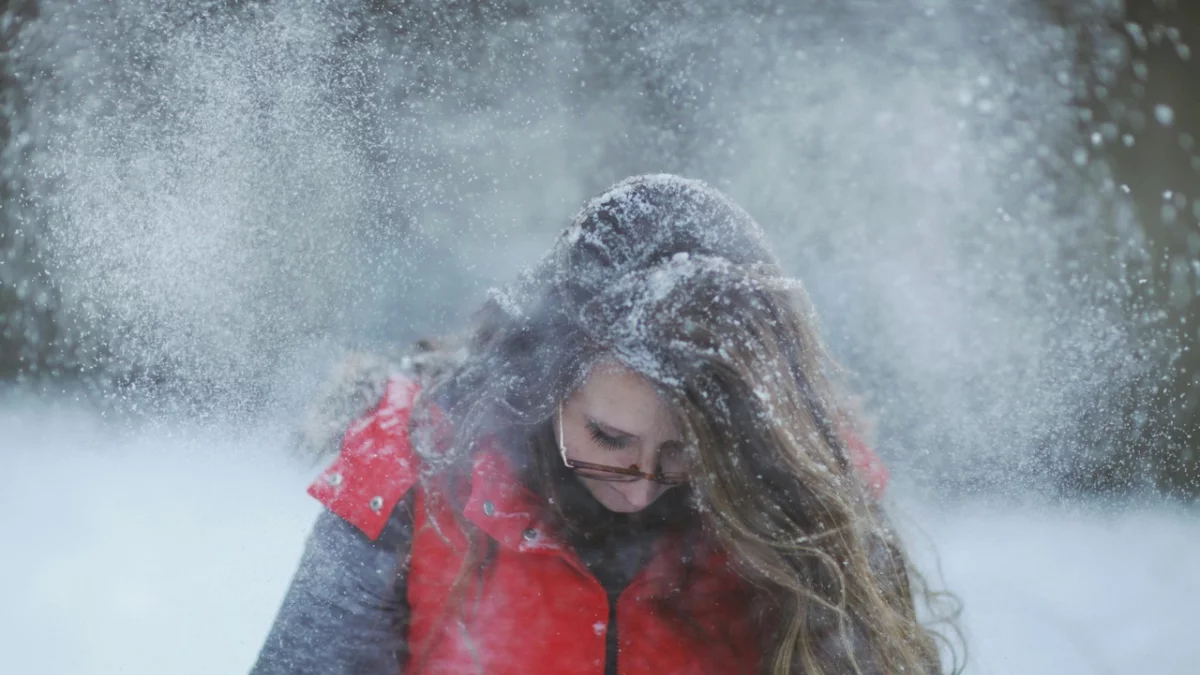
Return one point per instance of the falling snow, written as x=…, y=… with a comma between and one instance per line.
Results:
x=1164, y=114
x=205, y=209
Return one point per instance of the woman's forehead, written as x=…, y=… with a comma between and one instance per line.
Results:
x=619, y=397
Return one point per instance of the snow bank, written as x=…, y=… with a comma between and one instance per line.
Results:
x=167, y=551
x=141, y=553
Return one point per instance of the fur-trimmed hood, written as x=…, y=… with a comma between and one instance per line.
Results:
x=355, y=386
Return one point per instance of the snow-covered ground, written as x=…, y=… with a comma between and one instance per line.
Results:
x=165, y=552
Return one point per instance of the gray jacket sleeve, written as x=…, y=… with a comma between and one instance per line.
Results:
x=347, y=609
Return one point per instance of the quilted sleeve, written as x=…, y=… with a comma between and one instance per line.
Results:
x=346, y=610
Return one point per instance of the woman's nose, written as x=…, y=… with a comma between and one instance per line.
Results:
x=639, y=493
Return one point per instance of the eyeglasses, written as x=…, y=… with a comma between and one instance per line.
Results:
x=614, y=474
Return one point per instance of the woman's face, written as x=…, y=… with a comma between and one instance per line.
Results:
x=616, y=418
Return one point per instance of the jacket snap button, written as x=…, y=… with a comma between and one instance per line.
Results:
x=530, y=534
x=334, y=479
x=376, y=503
x=489, y=508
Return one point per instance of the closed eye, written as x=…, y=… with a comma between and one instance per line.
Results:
x=606, y=440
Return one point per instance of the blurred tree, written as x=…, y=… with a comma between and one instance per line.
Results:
x=1140, y=111
x=28, y=331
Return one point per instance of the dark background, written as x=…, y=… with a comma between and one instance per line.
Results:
x=1125, y=67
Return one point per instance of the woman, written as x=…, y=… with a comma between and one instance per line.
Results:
x=639, y=463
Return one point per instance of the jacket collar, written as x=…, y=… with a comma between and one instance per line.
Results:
x=502, y=507
x=506, y=510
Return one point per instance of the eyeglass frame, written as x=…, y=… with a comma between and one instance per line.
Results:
x=632, y=473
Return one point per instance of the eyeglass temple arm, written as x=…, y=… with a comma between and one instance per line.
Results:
x=562, y=444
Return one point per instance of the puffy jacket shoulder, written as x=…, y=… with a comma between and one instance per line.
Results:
x=377, y=464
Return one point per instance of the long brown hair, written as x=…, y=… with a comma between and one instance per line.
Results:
x=673, y=279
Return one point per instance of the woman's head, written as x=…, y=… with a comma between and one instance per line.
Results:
x=660, y=332
x=661, y=298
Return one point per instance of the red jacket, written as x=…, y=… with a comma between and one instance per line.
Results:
x=539, y=608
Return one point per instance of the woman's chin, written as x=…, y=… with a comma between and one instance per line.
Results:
x=612, y=499
x=621, y=507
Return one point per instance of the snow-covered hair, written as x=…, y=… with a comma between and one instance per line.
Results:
x=613, y=266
